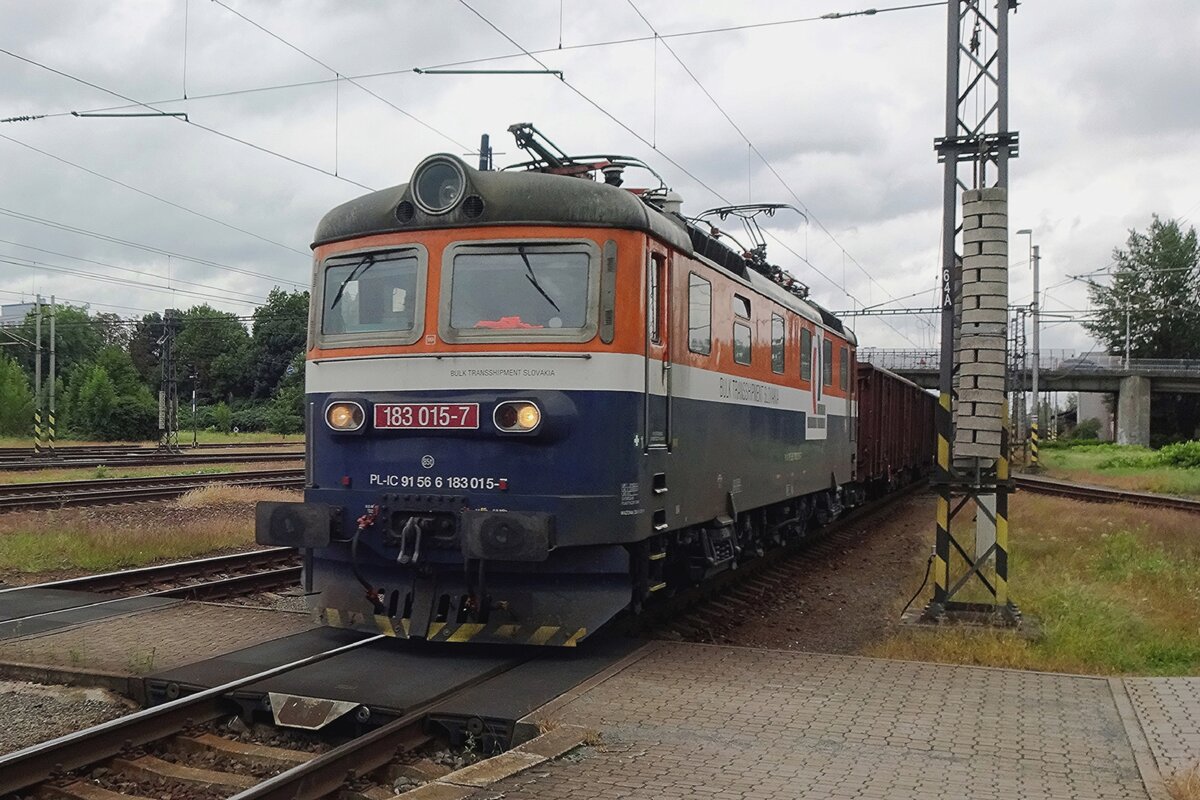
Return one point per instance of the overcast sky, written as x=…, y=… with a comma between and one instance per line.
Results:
x=1106, y=98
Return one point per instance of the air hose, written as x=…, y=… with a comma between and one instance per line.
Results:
x=364, y=522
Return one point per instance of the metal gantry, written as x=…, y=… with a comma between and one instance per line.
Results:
x=975, y=151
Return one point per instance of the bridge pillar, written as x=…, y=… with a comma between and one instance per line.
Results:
x=1133, y=411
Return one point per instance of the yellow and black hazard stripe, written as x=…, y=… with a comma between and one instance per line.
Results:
x=1002, y=488
x=941, y=549
x=1033, y=443
x=493, y=633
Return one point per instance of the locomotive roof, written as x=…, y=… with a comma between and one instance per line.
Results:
x=509, y=198
x=537, y=198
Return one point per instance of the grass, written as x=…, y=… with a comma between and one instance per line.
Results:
x=185, y=439
x=1115, y=589
x=39, y=475
x=1093, y=465
x=101, y=539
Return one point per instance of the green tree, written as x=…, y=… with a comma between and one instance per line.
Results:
x=119, y=366
x=217, y=345
x=1156, y=280
x=280, y=331
x=16, y=399
x=1155, y=295
x=94, y=404
x=287, y=404
x=113, y=330
x=144, y=349
x=79, y=337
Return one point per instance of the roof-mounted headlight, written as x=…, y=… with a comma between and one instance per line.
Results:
x=438, y=184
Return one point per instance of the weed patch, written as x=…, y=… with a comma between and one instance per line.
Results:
x=1116, y=590
x=71, y=541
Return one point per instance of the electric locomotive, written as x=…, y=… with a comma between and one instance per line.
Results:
x=536, y=399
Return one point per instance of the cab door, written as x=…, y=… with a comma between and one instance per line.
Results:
x=657, y=427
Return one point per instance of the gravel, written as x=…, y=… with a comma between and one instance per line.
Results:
x=35, y=713
x=292, y=600
x=847, y=591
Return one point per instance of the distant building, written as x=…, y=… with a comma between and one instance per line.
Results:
x=14, y=313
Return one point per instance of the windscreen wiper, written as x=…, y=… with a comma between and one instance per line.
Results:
x=367, y=262
x=533, y=278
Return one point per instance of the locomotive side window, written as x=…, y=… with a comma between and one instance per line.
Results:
x=778, y=337
x=518, y=291
x=699, y=315
x=844, y=369
x=741, y=306
x=827, y=362
x=658, y=267
x=374, y=292
x=805, y=354
x=741, y=343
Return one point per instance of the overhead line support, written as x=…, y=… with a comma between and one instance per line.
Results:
x=972, y=471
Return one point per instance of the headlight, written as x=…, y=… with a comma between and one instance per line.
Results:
x=517, y=417
x=438, y=184
x=344, y=416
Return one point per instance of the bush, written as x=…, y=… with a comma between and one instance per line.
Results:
x=1181, y=454
x=1088, y=430
x=222, y=418
x=134, y=418
x=252, y=418
x=16, y=401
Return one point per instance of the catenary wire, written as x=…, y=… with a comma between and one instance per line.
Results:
x=482, y=60
x=338, y=74
x=184, y=119
x=148, y=248
x=671, y=160
x=248, y=295
x=716, y=104
x=151, y=195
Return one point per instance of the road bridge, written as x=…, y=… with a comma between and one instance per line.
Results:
x=1067, y=371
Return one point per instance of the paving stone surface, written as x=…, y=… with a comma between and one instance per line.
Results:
x=146, y=642
x=1169, y=712
x=700, y=721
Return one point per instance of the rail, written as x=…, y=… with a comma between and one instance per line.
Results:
x=315, y=777
x=114, y=491
x=1103, y=494
x=149, y=459
x=32, y=765
x=272, y=558
x=1051, y=360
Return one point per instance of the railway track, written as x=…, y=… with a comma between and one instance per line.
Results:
x=198, y=579
x=130, y=749
x=113, y=491
x=148, y=458
x=91, y=450
x=1103, y=494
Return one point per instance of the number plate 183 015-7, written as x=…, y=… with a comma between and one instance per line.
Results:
x=424, y=416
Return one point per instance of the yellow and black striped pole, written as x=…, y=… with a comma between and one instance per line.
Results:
x=1002, y=515
x=50, y=431
x=1033, y=444
x=941, y=547
x=37, y=431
